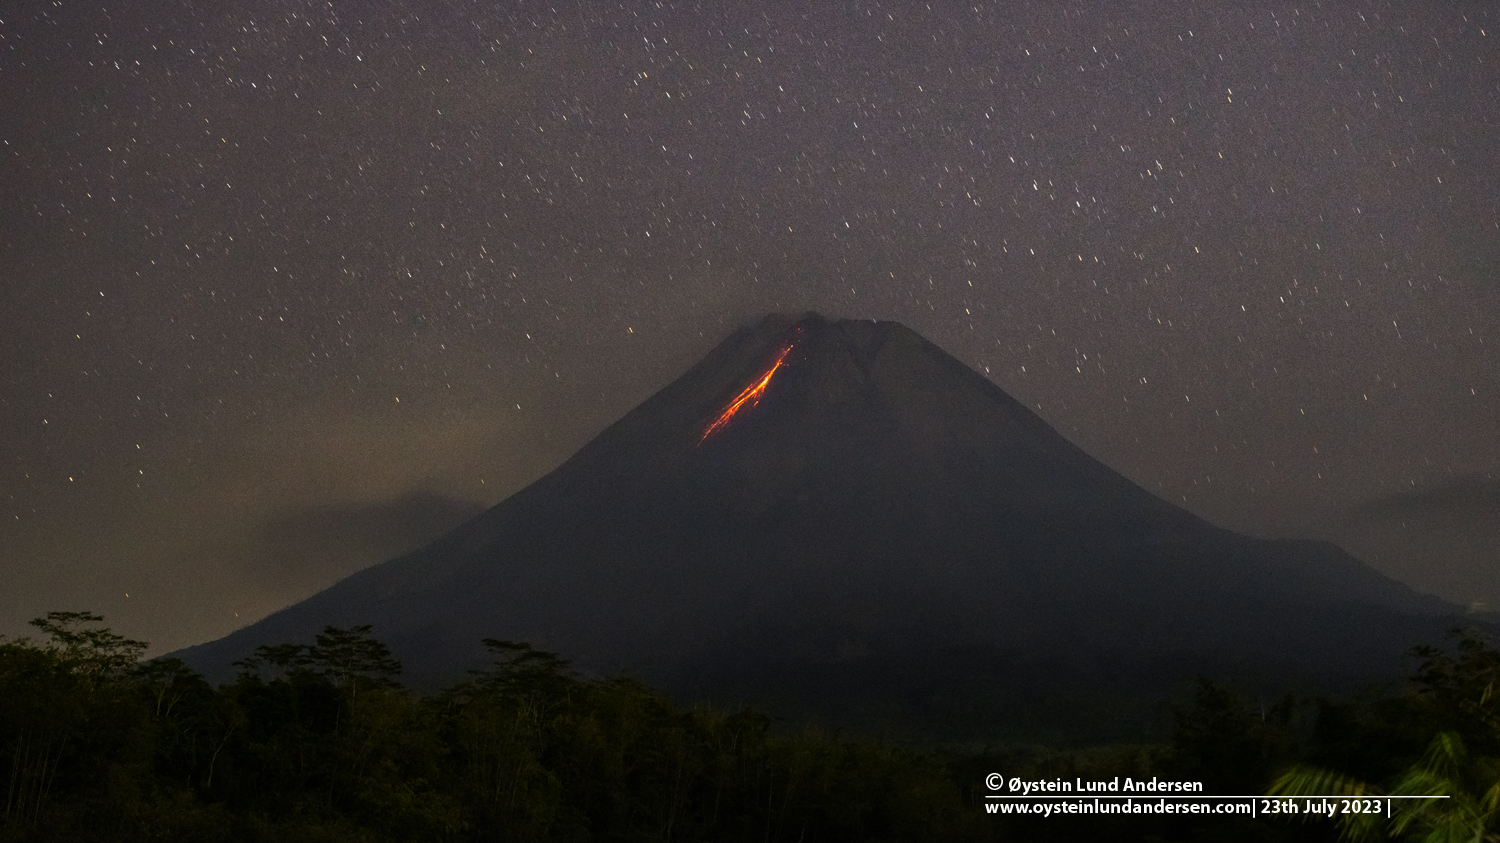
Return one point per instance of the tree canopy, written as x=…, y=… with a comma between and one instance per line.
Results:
x=318, y=741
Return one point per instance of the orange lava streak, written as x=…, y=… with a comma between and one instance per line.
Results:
x=751, y=395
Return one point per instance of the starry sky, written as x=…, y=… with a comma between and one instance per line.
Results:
x=289, y=287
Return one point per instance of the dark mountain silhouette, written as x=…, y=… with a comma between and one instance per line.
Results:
x=839, y=518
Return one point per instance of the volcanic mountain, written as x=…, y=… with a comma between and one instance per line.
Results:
x=838, y=518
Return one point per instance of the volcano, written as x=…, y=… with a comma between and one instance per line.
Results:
x=837, y=519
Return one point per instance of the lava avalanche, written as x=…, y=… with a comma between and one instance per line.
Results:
x=749, y=395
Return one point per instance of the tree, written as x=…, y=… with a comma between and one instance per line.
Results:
x=1229, y=745
x=1462, y=696
x=1471, y=785
x=40, y=711
x=1463, y=691
x=93, y=653
x=352, y=658
x=282, y=659
x=521, y=668
x=349, y=658
x=71, y=720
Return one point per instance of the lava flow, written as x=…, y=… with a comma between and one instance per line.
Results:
x=750, y=395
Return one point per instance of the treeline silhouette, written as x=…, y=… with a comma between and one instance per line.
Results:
x=319, y=742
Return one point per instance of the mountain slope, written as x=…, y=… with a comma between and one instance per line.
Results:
x=839, y=517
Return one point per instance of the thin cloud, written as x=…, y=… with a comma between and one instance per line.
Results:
x=1466, y=497
x=320, y=543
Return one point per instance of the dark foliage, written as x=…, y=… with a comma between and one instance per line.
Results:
x=319, y=742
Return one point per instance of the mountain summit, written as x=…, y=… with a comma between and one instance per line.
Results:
x=838, y=517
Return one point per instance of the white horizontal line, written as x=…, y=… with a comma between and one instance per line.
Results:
x=1087, y=795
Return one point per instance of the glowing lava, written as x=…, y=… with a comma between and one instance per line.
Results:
x=749, y=395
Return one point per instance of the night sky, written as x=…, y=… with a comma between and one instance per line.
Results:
x=287, y=288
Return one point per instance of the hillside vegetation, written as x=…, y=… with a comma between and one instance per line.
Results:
x=317, y=741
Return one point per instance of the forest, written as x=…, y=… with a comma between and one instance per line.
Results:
x=318, y=741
